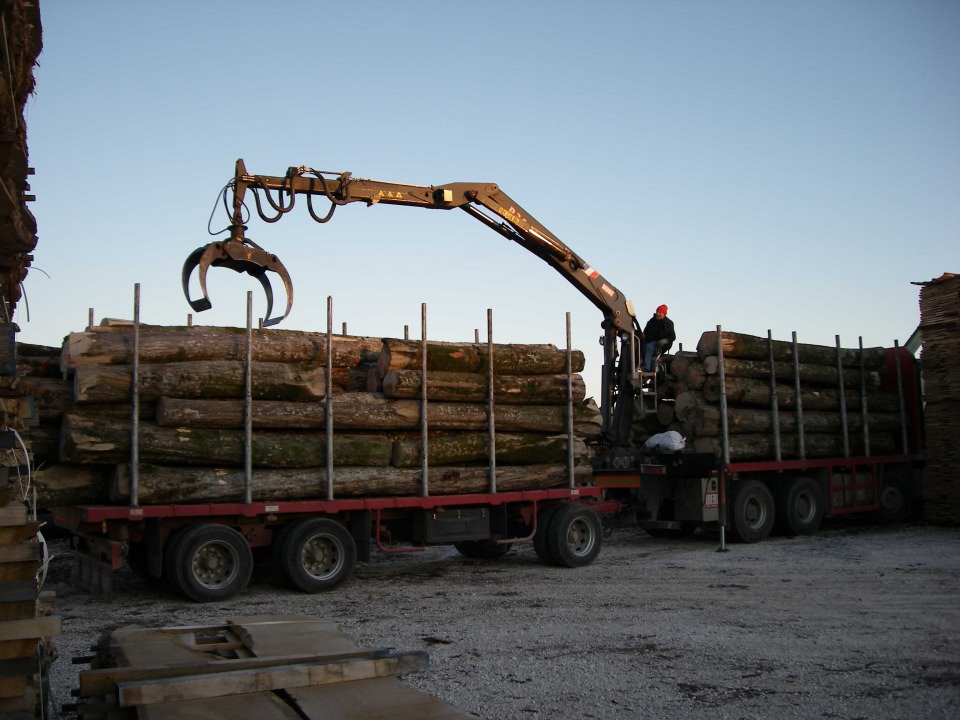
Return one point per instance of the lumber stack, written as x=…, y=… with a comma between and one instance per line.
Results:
x=26, y=628
x=191, y=434
x=266, y=667
x=749, y=393
x=940, y=357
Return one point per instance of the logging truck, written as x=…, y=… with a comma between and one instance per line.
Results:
x=205, y=549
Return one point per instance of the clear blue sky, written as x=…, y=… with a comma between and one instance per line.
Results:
x=790, y=166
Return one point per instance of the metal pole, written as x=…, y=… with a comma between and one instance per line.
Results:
x=864, y=411
x=725, y=438
x=801, y=444
x=328, y=399
x=189, y=319
x=90, y=318
x=424, y=449
x=344, y=329
x=476, y=331
x=406, y=332
x=490, y=401
x=901, y=399
x=248, y=407
x=774, y=403
x=135, y=401
x=571, y=480
x=842, y=397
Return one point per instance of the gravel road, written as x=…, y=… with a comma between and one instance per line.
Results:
x=855, y=622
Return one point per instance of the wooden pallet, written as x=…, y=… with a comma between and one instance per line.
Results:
x=265, y=667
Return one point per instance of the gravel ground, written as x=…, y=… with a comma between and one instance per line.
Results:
x=855, y=622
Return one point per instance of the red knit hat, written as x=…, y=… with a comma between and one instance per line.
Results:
x=663, y=309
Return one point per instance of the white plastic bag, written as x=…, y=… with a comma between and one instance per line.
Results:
x=670, y=441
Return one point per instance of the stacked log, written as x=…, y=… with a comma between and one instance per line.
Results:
x=940, y=359
x=749, y=397
x=191, y=440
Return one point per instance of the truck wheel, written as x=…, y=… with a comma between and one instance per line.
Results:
x=211, y=562
x=753, y=512
x=318, y=555
x=799, y=506
x=894, y=504
x=540, y=545
x=574, y=535
x=483, y=549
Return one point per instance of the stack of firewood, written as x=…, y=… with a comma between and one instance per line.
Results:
x=191, y=436
x=940, y=325
x=747, y=379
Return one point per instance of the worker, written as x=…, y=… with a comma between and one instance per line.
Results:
x=658, y=337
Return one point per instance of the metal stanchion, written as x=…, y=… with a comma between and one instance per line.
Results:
x=490, y=401
x=905, y=447
x=424, y=449
x=801, y=443
x=571, y=479
x=248, y=406
x=135, y=401
x=842, y=399
x=864, y=410
x=328, y=400
x=774, y=402
x=725, y=439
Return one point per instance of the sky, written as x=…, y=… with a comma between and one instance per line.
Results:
x=783, y=166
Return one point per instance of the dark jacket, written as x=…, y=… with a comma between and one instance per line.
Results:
x=659, y=329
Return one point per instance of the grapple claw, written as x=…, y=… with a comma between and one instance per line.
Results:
x=240, y=257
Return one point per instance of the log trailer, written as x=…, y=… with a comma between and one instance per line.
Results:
x=204, y=550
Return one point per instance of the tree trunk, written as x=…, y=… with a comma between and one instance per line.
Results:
x=52, y=397
x=473, y=387
x=744, y=391
x=182, y=344
x=204, y=379
x=471, y=358
x=685, y=401
x=756, y=348
x=361, y=411
x=694, y=375
x=761, y=447
x=680, y=361
x=471, y=448
x=65, y=485
x=90, y=439
x=704, y=421
x=160, y=484
x=818, y=374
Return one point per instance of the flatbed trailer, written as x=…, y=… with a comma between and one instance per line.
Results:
x=205, y=551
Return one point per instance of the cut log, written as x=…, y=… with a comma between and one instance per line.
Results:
x=470, y=448
x=685, y=401
x=363, y=411
x=204, y=379
x=680, y=361
x=51, y=396
x=809, y=373
x=461, y=357
x=744, y=391
x=761, y=447
x=206, y=343
x=694, y=375
x=665, y=413
x=88, y=439
x=65, y=485
x=473, y=387
x=163, y=484
x=705, y=421
x=755, y=348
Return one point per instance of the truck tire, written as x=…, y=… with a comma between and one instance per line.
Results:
x=799, y=506
x=317, y=555
x=211, y=562
x=574, y=535
x=752, y=512
x=894, y=502
x=540, y=544
x=483, y=549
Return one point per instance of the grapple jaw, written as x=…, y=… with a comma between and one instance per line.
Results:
x=241, y=257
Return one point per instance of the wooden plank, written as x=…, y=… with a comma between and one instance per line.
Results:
x=216, y=685
x=14, y=514
x=102, y=680
x=29, y=629
x=18, y=591
x=262, y=706
x=21, y=552
x=11, y=534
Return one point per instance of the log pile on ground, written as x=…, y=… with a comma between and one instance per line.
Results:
x=695, y=411
x=940, y=326
x=191, y=437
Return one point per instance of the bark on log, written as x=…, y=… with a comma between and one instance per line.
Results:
x=705, y=421
x=52, y=397
x=363, y=411
x=744, y=391
x=471, y=448
x=204, y=379
x=685, y=401
x=755, y=348
x=462, y=357
x=64, y=485
x=163, y=484
x=680, y=361
x=809, y=373
x=694, y=375
x=473, y=387
x=89, y=439
x=761, y=447
x=184, y=344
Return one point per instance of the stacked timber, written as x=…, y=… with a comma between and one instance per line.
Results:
x=940, y=327
x=191, y=436
x=26, y=627
x=751, y=383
